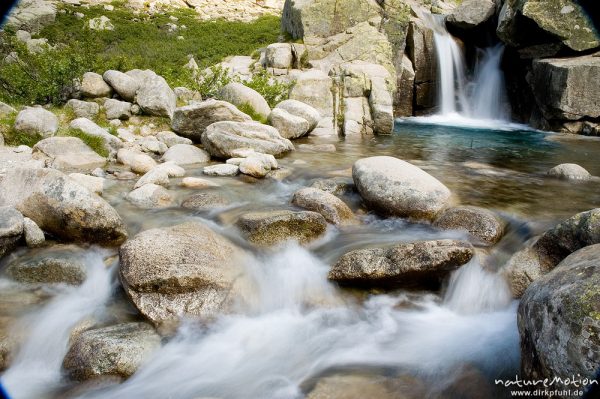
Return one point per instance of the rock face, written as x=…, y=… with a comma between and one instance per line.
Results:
x=314, y=87
x=192, y=120
x=395, y=187
x=61, y=207
x=472, y=13
x=57, y=264
x=184, y=270
x=567, y=88
x=420, y=49
x=305, y=18
x=416, y=264
x=36, y=121
x=333, y=209
x=11, y=229
x=117, y=350
x=558, y=320
x=480, y=223
x=221, y=139
x=569, y=171
x=69, y=154
x=240, y=96
x=270, y=228
x=551, y=248
x=32, y=15
x=563, y=20
x=154, y=96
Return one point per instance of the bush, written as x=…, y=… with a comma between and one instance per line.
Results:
x=272, y=90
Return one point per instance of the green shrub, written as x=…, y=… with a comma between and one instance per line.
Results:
x=11, y=137
x=272, y=90
x=209, y=82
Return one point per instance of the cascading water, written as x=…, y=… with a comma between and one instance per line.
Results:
x=480, y=98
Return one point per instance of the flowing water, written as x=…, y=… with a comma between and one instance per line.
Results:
x=300, y=327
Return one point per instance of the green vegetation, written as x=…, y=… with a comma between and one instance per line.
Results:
x=272, y=90
x=248, y=110
x=11, y=137
x=138, y=41
x=94, y=142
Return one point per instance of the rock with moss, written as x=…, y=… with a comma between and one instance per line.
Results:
x=419, y=264
x=186, y=270
x=36, y=122
x=61, y=207
x=192, y=120
x=323, y=18
x=246, y=99
x=68, y=154
x=559, y=320
x=472, y=13
x=222, y=139
x=117, y=350
x=562, y=21
x=111, y=143
x=543, y=254
x=57, y=264
x=270, y=228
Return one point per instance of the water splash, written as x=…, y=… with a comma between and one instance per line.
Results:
x=36, y=369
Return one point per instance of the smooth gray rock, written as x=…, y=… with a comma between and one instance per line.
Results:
x=192, y=120
x=302, y=110
x=61, y=207
x=418, y=264
x=83, y=109
x=150, y=196
x=117, y=350
x=93, y=86
x=111, y=143
x=36, y=122
x=125, y=86
x=171, y=139
x=558, y=320
x=154, y=96
x=289, y=126
x=221, y=170
x=395, y=187
x=269, y=228
x=185, y=154
x=68, y=154
x=221, y=139
x=186, y=270
x=116, y=109
x=34, y=236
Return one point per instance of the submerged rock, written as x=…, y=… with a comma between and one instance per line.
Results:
x=558, y=320
x=544, y=253
x=569, y=171
x=269, y=228
x=115, y=350
x=417, y=264
x=186, y=270
x=61, y=207
x=480, y=223
x=333, y=209
x=363, y=386
x=57, y=264
x=222, y=139
x=397, y=188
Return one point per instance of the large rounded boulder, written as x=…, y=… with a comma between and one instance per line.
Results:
x=481, y=224
x=558, y=320
x=222, y=139
x=186, y=270
x=60, y=206
x=397, y=188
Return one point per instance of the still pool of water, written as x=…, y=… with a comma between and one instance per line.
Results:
x=448, y=344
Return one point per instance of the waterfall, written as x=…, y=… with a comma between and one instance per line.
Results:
x=481, y=97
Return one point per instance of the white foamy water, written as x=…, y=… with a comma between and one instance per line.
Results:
x=301, y=326
x=36, y=370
